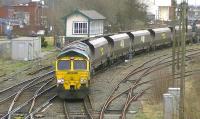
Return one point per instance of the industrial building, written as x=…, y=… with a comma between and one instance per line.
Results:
x=160, y=10
x=31, y=15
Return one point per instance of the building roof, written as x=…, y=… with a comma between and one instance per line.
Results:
x=90, y=14
x=25, y=39
x=14, y=2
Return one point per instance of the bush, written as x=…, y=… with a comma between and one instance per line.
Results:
x=44, y=43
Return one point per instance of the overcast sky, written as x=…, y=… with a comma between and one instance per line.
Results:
x=191, y=2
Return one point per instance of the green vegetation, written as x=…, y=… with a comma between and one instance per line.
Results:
x=8, y=66
x=150, y=111
x=192, y=95
x=192, y=104
x=141, y=115
x=44, y=43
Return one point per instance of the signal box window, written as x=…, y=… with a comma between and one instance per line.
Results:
x=80, y=28
x=64, y=65
x=80, y=65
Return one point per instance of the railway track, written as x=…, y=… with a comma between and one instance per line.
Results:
x=78, y=109
x=27, y=96
x=43, y=93
x=116, y=93
x=27, y=71
x=11, y=91
x=134, y=90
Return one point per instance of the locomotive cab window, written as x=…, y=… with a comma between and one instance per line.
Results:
x=64, y=65
x=80, y=65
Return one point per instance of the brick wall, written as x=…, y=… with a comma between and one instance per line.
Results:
x=33, y=9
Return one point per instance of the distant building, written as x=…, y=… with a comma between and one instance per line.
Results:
x=14, y=2
x=165, y=10
x=30, y=14
x=84, y=23
x=162, y=10
x=194, y=13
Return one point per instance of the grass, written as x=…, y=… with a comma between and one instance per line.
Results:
x=192, y=104
x=150, y=112
x=192, y=94
x=153, y=107
x=7, y=65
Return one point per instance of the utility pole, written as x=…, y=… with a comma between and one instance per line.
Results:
x=174, y=43
x=184, y=7
x=179, y=39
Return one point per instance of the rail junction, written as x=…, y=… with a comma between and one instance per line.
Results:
x=28, y=98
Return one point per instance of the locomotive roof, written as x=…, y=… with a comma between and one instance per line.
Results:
x=73, y=52
x=76, y=48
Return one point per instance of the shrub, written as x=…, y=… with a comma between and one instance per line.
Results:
x=44, y=43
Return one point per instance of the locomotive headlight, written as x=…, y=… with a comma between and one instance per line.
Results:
x=60, y=81
x=83, y=80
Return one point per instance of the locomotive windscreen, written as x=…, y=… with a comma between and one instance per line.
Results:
x=80, y=65
x=64, y=65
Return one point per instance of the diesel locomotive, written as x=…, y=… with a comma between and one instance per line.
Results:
x=77, y=61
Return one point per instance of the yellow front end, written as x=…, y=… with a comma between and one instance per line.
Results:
x=72, y=73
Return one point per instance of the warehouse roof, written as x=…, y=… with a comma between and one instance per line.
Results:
x=90, y=14
x=14, y=2
x=25, y=38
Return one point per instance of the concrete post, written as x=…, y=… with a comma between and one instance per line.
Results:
x=168, y=106
x=175, y=92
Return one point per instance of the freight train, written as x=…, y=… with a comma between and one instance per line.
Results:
x=78, y=61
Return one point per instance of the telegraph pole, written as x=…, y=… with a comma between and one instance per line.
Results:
x=184, y=7
x=179, y=39
x=174, y=44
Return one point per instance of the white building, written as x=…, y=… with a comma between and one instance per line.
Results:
x=84, y=23
x=164, y=8
x=160, y=8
